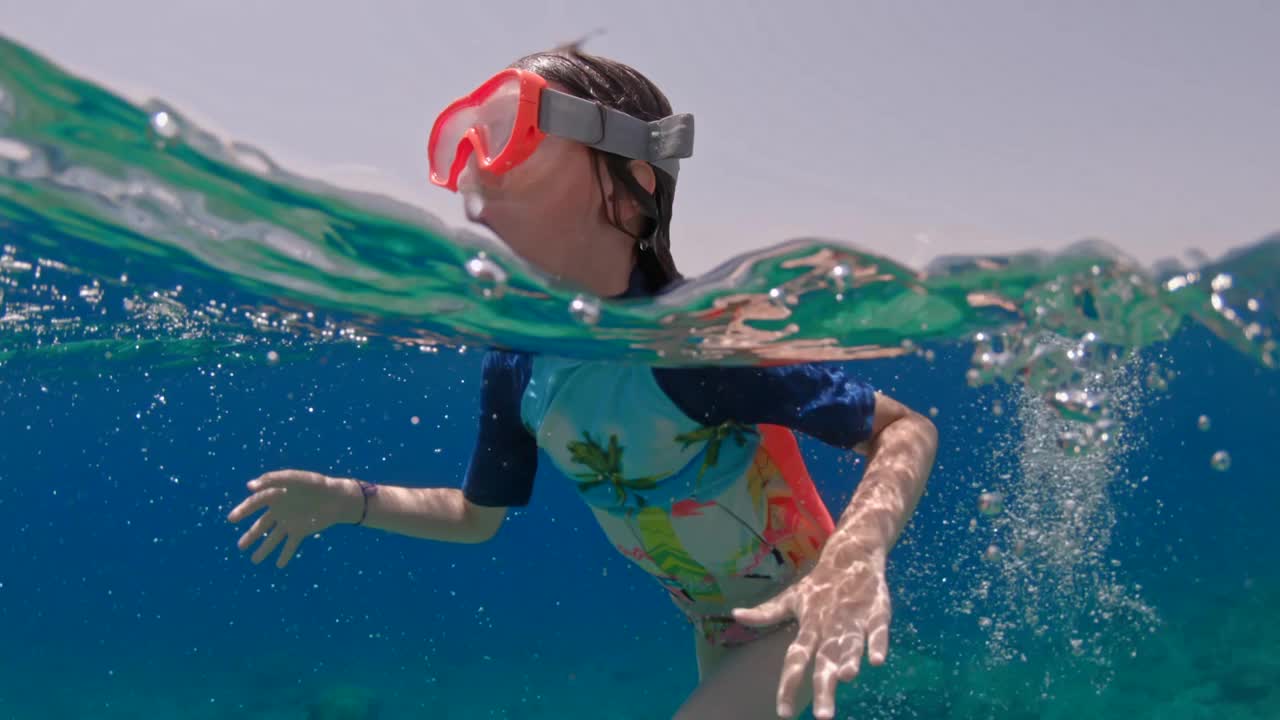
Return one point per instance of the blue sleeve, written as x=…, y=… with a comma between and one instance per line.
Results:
x=818, y=400
x=505, y=458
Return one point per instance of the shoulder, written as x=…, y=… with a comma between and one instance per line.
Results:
x=776, y=393
x=500, y=365
x=504, y=375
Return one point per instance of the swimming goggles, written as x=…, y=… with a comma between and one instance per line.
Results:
x=504, y=119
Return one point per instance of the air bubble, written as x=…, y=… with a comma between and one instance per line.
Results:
x=585, y=310
x=838, y=275
x=1072, y=442
x=1203, y=422
x=1221, y=461
x=1156, y=382
x=91, y=294
x=991, y=503
x=13, y=150
x=490, y=279
x=1078, y=404
x=252, y=159
x=778, y=297
x=165, y=125
x=1102, y=432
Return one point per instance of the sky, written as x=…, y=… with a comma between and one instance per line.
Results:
x=910, y=129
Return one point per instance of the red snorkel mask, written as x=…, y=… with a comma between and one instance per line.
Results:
x=505, y=119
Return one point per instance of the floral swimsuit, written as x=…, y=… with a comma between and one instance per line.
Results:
x=693, y=473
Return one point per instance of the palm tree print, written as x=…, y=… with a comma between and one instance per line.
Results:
x=604, y=466
x=714, y=436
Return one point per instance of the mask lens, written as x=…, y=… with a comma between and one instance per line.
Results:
x=496, y=118
x=487, y=122
x=449, y=141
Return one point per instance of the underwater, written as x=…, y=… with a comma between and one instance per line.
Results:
x=179, y=314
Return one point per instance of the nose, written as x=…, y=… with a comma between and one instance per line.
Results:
x=473, y=177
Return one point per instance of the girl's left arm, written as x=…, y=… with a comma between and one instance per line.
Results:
x=843, y=603
x=900, y=454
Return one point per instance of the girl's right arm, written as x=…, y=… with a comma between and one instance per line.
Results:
x=299, y=503
x=500, y=475
x=428, y=513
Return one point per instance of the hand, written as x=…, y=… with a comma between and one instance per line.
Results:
x=842, y=605
x=299, y=504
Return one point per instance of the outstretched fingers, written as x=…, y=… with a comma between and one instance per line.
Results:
x=271, y=543
x=282, y=478
x=290, y=547
x=826, y=673
x=850, y=662
x=878, y=631
x=253, y=504
x=794, y=667
x=259, y=528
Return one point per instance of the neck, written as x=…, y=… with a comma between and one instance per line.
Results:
x=603, y=268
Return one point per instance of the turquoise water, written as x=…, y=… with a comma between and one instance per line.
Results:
x=178, y=314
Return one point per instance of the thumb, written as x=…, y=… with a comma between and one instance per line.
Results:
x=770, y=612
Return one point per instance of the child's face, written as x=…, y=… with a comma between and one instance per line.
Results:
x=549, y=209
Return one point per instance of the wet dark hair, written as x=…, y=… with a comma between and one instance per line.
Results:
x=621, y=88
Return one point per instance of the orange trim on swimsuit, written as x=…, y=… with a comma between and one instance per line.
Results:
x=783, y=449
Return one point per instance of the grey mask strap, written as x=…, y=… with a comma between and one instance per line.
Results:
x=659, y=142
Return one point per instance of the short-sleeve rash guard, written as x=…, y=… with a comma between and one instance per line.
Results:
x=817, y=399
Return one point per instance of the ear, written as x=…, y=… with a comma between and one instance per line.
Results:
x=648, y=181
x=643, y=173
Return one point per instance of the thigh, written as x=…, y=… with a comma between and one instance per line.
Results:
x=708, y=654
x=743, y=683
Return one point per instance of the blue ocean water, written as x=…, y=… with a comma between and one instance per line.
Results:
x=124, y=596
x=1136, y=578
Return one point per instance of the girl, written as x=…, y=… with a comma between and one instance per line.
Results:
x=693, y=473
